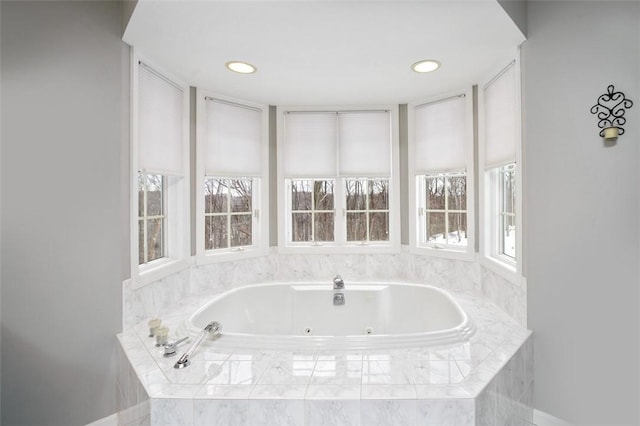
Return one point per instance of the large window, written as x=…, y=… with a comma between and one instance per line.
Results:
x=445, y=211
x=159, y=169
x=228, y=213
x=312, y=210
x=367, y=210
x=441, y=170
x=501, y=139
x=338, y=180
x=232, y=169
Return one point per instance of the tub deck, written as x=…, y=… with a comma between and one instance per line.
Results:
x=486, y=380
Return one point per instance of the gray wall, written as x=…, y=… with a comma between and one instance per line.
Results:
x=62, y=112
x=581, y=215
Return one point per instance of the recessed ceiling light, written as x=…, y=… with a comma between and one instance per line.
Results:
x=241, y=67
x=426, y=65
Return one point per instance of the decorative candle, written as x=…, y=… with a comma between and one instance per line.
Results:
x=153, y=325
x=162, y=334
x=610, y=133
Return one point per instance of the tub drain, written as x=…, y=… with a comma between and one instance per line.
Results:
x=307, y=330
x=368, y=330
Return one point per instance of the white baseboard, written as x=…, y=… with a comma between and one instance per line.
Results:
x=540, y=418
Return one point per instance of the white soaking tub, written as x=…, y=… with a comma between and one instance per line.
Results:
x=303, y=316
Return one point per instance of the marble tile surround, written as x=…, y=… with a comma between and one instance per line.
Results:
x=486, y=381
x=169, y=293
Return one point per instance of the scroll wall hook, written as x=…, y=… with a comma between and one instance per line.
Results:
x=610, y=111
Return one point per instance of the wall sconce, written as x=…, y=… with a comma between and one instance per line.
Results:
x=610, y=109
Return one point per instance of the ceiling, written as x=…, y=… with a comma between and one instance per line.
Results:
x=325, y=52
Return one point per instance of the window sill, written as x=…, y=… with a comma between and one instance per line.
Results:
x=158, y=270
x=230, y=255
x=389, y=248
x=506, y=270
x=446, y=253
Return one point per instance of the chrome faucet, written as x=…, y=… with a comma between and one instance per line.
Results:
x=338, y=283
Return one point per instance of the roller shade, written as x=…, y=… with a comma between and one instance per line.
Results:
x=441, y=135
x=160, y=123
x=310, y=144
x=500, y=122
x=364, y=143
x=233, y=139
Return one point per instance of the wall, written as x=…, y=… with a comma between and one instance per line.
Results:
x=61, y=192
x=581, y=219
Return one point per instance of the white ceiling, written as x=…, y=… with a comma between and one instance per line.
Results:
x=325, y=52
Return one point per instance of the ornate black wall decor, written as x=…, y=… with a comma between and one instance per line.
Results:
x=610, y=108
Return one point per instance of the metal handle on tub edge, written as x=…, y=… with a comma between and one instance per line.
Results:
x=214, y=328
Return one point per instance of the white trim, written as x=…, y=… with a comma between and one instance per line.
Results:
x=177, y=250
x=340, y=245
x=261, y=186
x=467, y=253
x=540, y=418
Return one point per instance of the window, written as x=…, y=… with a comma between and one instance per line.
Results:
x=501, y=138
x=312, y=210
x=441, y=170
x=507, y=210
x=232, y=167
x=151, y=218
x=228, y=213
x=445, y=210
x=367, y=209
x=338, y=179
x=159, y=217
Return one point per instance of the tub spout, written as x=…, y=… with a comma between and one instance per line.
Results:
x=211, y=328
x=338, y=283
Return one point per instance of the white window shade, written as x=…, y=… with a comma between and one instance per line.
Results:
x=500, y=106
x=441, y=136
x=233, y=139
x=310, y=144
x=160, y=124
x=365, y=143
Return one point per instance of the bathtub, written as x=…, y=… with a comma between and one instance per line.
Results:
x=303, y=316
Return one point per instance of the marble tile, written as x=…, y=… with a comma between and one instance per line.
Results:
x=486, y=403
x=173, y=412
x=446, y=412
x=233, y=372
x=388, y=412
x=215, y=412
x=278, y=392
x=295, y=372
x=269, y=412
x=341, y=412
x=436, y=372
x=333, y=392
x=386, y=372
x=388, y=392
x=338, y=370
x=224, y=391
x=441, y=391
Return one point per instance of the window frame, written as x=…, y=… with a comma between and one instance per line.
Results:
x=175, y=189
x=417, y=191
x=340, y=243
x=423, y=210
x=260, y=187
x=489, y=247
